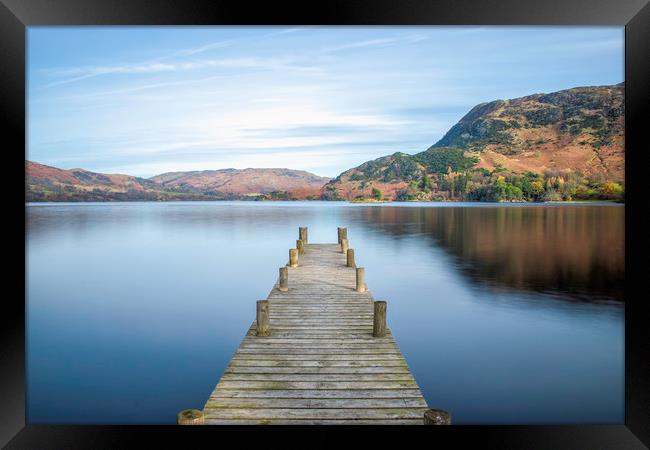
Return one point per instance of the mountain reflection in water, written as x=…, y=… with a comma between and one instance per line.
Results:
x=576, y=251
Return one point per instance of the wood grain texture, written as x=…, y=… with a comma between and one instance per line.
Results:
x=320, y=363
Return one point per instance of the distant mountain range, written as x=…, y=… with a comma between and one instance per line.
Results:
x=45, y=183
x=559, y=146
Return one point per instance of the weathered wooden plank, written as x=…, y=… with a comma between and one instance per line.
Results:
x=336, y=337
x=313, y=422
x=289, y=346
x=316, y=370
x=323, y=327
x=325, y=358
x=365, y=340
x=317, y=377
x=318, y=334
x=336, y=318
x=314, y=413
x=327, y=334
x=335, y=295
x=321, y=403
x=321, y=314
x=334, y=299
x=307, y=303
x=321, y=393
x=311, y=312
x=334, y=312
x=240, y=384
x=280, y=304
x=285, y=322
x=261, y=363
x=319, y=351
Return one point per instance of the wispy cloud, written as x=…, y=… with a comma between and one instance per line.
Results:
x=380, y=42
x=597, y=45
x=202, y=48
x=155, y=65
x=81, y=73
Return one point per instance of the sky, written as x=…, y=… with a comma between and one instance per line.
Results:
x=147, y=100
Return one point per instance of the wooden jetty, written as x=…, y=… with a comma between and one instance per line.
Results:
x=319, y=352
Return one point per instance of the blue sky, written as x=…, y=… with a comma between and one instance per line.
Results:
x=148, y=100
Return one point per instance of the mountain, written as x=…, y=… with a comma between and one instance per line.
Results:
x=579, y=129
x=558, y=146
x=46, y=183
x=245, y=182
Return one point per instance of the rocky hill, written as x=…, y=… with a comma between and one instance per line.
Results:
x=559, y=146
x=46, y=183
x=245, y=182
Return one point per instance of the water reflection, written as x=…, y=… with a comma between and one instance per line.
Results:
x=574, y=251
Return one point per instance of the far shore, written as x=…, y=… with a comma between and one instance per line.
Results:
x=361, y=202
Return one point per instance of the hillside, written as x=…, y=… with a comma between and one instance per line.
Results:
x=245, y=182
x=559, y=146
x=46, y=183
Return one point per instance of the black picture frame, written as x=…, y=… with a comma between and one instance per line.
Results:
x=16, y=15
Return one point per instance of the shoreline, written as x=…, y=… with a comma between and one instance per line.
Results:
x=386, y=202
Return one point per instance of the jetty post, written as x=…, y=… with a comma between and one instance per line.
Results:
x=293, y=257
x=262, y=317
x=300, y=245
x=190, y=417
x=338, y=234
x=350, y=255
x=344, y=233
x=302, y=234
x=344, y=246
x=379, y=319
x=437, y=417
x=361, y=279
x=284, y=279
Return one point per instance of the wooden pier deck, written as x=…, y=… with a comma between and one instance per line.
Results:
x=320, y=363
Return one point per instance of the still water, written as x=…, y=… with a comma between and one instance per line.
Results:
x=505, y=314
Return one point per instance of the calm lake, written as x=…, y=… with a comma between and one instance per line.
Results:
x=505, y=314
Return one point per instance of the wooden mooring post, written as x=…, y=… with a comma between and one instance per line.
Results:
x=344, y=246
x=379, y=319
x=300, y=246
x=190, y=417
x=284, y=279
x=293, y=257
x=262, y=317
x=350, y=258
x=437, y=417
x=344, y=234
x=319, y=353
x=361, y=279
x=302, y=234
